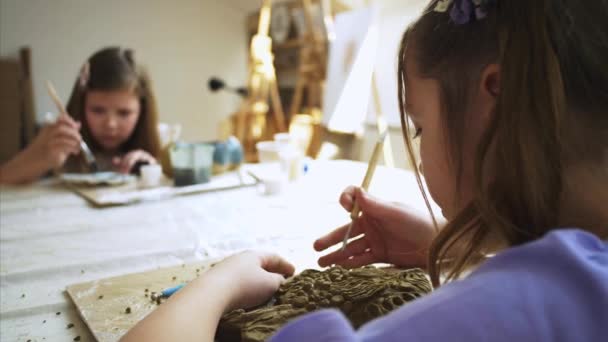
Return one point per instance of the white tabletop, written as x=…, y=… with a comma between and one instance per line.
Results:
x=51, y=238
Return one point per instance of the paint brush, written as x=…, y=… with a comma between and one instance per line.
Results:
x=371, y=168
x=88, y=155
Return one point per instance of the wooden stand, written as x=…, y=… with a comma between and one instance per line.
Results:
x=251, y=125
x=382, y=125
x=311, y=78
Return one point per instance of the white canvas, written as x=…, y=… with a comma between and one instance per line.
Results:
x=351, y=63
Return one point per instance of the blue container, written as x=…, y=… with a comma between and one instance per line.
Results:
x=228, y=155
x=236, y=152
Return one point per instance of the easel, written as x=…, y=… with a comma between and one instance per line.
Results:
x=312, y=73
x=251, y=116
x=311, y=77
x=381, y=123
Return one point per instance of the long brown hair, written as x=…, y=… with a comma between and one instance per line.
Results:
x=552, y=110
x=111, y=69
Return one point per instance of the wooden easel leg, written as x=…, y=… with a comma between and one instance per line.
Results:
x=297, y=97
x=241, y=118
x=279, y=115
x=382, y=124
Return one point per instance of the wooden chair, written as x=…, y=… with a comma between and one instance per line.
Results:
x=17, y=114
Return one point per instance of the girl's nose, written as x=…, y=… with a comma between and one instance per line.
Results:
x=112, y=122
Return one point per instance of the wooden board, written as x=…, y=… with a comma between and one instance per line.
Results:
x=106, y=317
x=105, y=196
x=102, y=303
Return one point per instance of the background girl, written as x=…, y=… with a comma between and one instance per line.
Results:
x=112, y=108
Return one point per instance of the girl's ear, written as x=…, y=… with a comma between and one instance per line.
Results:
x=489, y=89
x=490, y=80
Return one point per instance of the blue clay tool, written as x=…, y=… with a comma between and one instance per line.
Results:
x=166, y=293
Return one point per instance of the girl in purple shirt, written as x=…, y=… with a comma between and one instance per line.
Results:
x=509, y=99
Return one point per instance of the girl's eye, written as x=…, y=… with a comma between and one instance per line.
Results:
x=418, y=133
x=98, y=110
x=124, y=113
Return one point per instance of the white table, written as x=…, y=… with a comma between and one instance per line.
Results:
x=51, y=238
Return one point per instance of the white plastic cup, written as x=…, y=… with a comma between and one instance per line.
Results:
x=291, y=162
x=150, y=175
x=268, y=151
x=273, y=186
x=283, y=139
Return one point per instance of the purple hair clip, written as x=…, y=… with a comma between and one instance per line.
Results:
x=463, y=11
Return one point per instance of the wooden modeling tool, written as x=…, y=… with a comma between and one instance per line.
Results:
x=371, y=168
x=88, y=155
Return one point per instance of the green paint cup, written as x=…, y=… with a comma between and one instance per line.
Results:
x=192, y=163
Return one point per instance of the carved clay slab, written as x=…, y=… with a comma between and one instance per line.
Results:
x=362, y=294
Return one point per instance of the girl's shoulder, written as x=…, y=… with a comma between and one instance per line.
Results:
x=556, y=285
x=556, y=255
x=551, y=289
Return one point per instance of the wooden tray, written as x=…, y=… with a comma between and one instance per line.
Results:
x=106, y=196
x=103, y=304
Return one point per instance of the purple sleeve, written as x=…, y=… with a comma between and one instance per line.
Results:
x=454, y=315
x=321, y=326
x=553, y=289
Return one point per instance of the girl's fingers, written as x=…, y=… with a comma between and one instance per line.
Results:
x=275, y=264
x=67, y=142
x=352, y=194
x=68, y=120
x=65, y=146
x=127, y=163
x=337, y=236
x=347, y=198
x=354, y=248
x=330, y=239
x=360, y=260
x=122, y=163
x=63, y=130
x=140, y=156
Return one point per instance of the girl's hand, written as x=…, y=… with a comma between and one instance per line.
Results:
x=192, y=314
x=56, y=142
x=388, y=233
x=252, y=277
x=125, y=163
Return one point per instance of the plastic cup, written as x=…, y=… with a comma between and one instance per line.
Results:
x=192, y=163
x=151, y=175
x=268, y=151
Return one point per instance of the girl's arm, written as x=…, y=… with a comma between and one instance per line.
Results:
x=49, y=150
x=25, y=167
x=193, y=313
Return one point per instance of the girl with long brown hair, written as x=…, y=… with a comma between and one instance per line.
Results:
x=112, y=108
x=509, y=99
